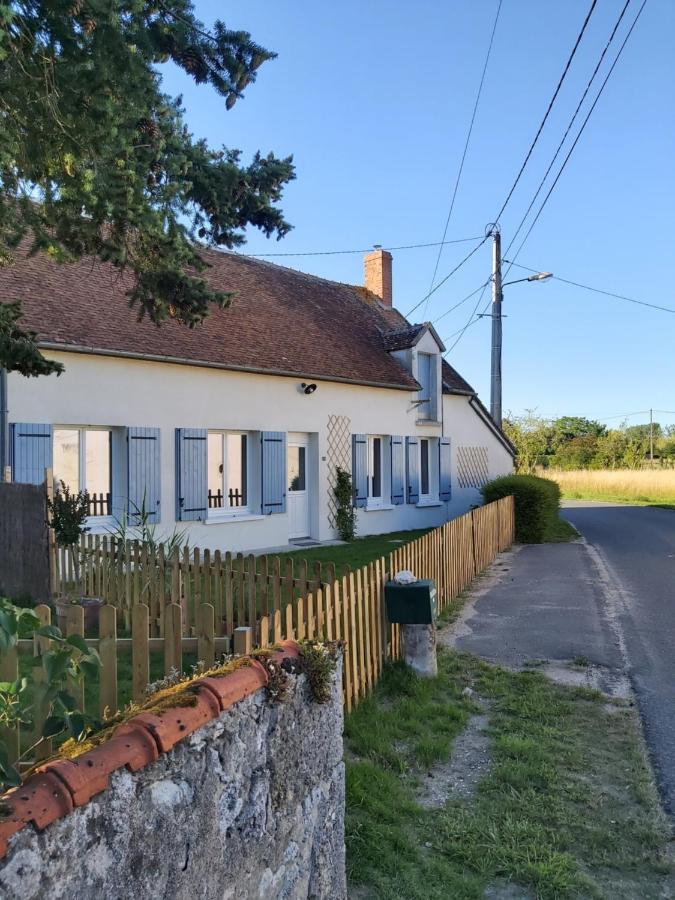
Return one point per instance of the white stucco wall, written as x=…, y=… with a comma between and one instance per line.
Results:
x=467, y=429
x=107, y=391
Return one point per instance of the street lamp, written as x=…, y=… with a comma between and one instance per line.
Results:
x=497, y=297
x=538, y=276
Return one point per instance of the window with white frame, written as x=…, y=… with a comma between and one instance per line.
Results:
x=378, y=478
x=82, y=459
x=428, y=469
x=228, y=472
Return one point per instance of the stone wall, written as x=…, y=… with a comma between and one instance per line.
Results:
x=251, y=805
x=24, y=559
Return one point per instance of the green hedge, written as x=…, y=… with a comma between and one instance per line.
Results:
x=537, y=501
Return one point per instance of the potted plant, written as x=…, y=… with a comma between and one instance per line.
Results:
x=68, y=514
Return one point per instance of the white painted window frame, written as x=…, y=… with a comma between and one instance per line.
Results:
x=384, y=500
x=96, y=522
x=431, y=498
x=226, y=512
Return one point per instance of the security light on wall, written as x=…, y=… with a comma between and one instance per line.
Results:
x=307, y=388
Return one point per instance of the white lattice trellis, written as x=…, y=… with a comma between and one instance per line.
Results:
x=472, y=467
x=338, y=453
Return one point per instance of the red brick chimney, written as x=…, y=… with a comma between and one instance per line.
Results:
x=377, y=267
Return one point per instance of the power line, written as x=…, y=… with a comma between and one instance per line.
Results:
x=550, y=107
x=473, y=318
x=366, y=250
x=466, y=147
x=468, y=297
x=581, y=130
x=571, y=123
x=449, y=275
x=587, y=287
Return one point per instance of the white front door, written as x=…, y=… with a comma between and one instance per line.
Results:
x=297, y=485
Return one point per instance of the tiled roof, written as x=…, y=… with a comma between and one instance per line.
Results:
x=401, y=338
x=453, y=383
x=280, y=321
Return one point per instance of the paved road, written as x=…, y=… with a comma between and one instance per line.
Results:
x=637, y=544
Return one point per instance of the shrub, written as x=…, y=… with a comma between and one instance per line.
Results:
x=346, y=516
x=537, y=501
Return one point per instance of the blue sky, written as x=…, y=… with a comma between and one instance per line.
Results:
x=374, y=99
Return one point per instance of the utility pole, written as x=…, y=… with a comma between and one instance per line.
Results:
x=496, y=369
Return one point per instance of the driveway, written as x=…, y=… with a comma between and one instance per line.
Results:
x=608, y=599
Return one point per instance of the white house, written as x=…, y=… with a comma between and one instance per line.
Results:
x=233, y=430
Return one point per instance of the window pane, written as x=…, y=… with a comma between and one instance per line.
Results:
x=296, y=468
x=424, y=466
x=215, y=470
x=97, y=463
x=424, y=366
x=376, y=478
x=67, y=457
x=97, y=471
x=236, y=469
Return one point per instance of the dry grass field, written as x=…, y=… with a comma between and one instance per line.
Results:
x=653, y=486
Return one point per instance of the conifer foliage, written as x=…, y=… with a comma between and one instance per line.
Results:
x=95, y=159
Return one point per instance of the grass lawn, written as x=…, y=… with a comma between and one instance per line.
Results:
x=356, y=553
x=565, y=809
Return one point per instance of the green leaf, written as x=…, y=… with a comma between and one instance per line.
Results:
x=77, y=641
x=67, y=700
x=76, y=725
x=55, y=664
x=89, y=668
x=53, y=725
x=49, y=631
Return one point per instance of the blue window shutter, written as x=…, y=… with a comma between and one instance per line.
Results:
x=273, y=445
x=360, y=469
x=444, y=469
x=397, y=470
x=412, y=464
x=143, y=473
x=191, y=477
x=31, y=449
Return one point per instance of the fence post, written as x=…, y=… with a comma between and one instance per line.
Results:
x=243, y=640
x=9, y=671
x=107, y=650
x=140, y=649
x=51, y=537
x=40, y=647
x=206, y=646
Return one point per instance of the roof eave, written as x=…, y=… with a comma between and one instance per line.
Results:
x=180, y=361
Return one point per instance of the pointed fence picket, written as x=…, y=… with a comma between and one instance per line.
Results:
x=171, y=607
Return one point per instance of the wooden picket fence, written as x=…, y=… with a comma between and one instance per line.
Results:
x=201, y=605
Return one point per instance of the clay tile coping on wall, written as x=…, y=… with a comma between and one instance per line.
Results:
x=63, y=784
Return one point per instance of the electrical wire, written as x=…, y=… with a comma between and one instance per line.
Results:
x=366, y=250
x=466, y=147
x=525, y=162
x=468, y=297
x=449, y=275
x=473, y=318
x=587, y=287
x=550, y=107
x=581, y=130
x=569, y=126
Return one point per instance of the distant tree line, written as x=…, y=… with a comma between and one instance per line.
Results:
x=574, y=442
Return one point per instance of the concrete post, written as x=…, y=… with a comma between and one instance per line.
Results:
x=419, y=649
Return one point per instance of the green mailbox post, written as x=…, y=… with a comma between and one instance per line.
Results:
x=411, y=604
